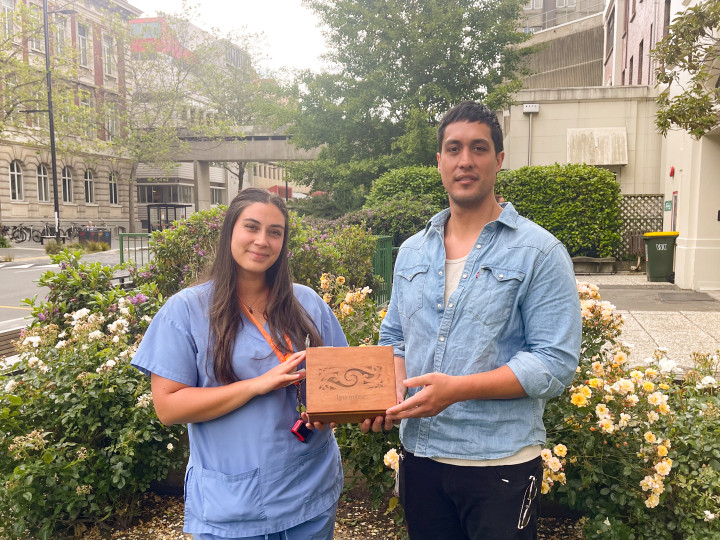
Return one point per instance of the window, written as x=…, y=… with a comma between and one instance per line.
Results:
x=113, y=188
x=83, y=42
x=109, y=55
x=43, y=184
x=111, y=121
x=60, y=35
x=172, y=193
x=38, y=120
x=630, y=72
x=560, y=3
x=571, y=3
x=89, y=187
x=640, y=62
x=37, y=39
x=87, y=110
x=16, y=181
x=217, y=196
x=8, y=9
x=610, y=36
x=235, y=57
x=67, y=186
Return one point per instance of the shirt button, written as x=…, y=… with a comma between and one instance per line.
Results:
x=439, y=306
x=442, y=338
x=478, y=246
x=464, y=275
x=450, y=305
x=440, y=273
x=500, y=276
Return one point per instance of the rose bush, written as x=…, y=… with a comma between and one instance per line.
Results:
x=78, y=431
x=626, y=440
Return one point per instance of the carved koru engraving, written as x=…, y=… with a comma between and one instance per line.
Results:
x=332, y=378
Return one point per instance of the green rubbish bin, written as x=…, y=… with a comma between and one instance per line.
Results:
x=660, y=255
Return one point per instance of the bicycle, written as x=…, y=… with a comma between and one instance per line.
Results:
x=73, y=231
x=115, y=230
x=20, y=233
x=49, y=230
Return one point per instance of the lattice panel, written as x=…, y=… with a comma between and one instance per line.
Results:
x=640, y=214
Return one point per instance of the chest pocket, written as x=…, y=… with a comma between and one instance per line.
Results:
x=494, y=295
x=409, y=287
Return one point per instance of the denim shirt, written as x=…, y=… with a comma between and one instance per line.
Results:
x=516, y=305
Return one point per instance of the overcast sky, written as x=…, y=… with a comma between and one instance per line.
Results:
x=291, y=33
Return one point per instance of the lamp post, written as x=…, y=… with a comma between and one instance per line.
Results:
x=48, y=77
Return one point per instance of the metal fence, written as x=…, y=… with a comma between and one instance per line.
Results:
x=383, y=267
x=134, y=248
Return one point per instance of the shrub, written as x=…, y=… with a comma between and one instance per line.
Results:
x=53, y=248
x=316, y=248
x=632, y=449
x=4, y=242
x=413, y=181
x=181, y=253
x=94, y=246
x=321, y=205
x=400, y=216
x=362, y=454
x=579, y=204
x=77, y=426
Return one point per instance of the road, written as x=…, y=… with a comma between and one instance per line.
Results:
x=18, y=280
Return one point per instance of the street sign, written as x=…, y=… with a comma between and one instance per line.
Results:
x=668, y=206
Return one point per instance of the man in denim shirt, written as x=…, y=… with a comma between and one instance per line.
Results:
x=485, y=323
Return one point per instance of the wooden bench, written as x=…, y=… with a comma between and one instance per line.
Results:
x=43, y=238
x=6, y=339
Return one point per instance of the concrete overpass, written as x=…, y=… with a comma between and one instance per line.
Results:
x=255, y=144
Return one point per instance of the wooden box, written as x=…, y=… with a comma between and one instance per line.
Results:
x=349, y=384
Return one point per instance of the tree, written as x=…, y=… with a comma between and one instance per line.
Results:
x=400, y=64
x=687, y=59
x=24, y=104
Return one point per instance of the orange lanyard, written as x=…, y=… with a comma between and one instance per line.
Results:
x=282, y=357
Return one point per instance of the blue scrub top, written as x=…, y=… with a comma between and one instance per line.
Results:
x=247, y=474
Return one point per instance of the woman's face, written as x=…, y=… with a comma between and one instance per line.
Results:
x=257, y=238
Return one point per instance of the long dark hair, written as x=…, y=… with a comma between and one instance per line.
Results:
x=284, y=313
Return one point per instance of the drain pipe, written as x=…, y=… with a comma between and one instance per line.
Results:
x=530, y=109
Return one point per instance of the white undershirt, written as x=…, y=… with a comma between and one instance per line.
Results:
x=453, y=273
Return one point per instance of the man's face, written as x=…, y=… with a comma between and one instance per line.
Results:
x=468, y=164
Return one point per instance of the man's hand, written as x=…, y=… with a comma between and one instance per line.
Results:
x=439, y=392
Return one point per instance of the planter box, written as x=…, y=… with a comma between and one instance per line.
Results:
x=594, y=265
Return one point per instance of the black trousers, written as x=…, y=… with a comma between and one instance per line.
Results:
x=449, y=502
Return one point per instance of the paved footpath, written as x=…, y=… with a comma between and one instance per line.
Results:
x=661, y=315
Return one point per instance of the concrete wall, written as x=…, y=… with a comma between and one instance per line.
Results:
x=567, y=109
x=695, y=184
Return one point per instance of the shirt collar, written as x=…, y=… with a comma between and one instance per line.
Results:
x=508, y=217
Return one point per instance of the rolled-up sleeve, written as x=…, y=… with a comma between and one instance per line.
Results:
x=553, y=328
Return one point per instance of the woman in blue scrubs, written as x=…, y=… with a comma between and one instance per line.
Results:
x=223, y=357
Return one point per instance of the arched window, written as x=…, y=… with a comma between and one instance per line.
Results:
x=43, y=184
x=67, y=186
x=16, y=181
x=113, y=188
x=89, y=187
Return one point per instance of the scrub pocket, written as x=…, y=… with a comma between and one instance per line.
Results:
x=319, y=471
x=231, y=497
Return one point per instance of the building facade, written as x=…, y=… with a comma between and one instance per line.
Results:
x=91, y=179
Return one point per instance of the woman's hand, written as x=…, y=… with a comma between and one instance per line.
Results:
x=316, y=425
x=281, y=375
